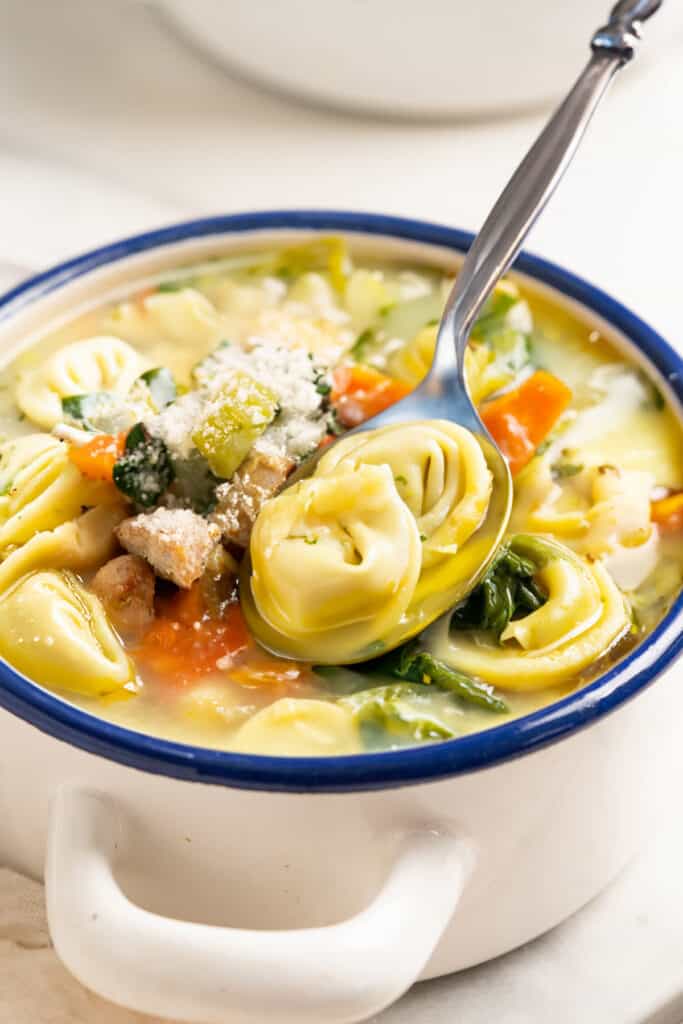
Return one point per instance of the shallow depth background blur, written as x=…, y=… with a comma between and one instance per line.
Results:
x=110, y=123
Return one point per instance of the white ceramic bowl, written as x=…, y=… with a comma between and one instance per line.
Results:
x=434, y=58
x=200, y=885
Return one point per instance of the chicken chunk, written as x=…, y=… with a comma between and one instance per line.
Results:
x=239, y=501
x=125, y=586
x=177, y=543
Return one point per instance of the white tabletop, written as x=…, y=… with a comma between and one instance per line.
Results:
x=110, y=124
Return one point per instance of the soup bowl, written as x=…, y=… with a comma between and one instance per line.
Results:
x=209, y=886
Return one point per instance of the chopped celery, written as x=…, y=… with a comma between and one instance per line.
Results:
x=494, y=315
x=323, y=254
x=161, y=386
x=237, y=415
x=90, y=410
x=366, y=295
x=405, y=319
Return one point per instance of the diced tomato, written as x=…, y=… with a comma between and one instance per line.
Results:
x=360, y=392
x=520, y=420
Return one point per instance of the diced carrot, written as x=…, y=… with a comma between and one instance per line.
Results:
x=668, y=512
x=143, y=295
x=185, y=642
x=360, y=392
x=519, y=420
x=96, y=458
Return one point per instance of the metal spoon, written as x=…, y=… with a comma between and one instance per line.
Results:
x=443, y=394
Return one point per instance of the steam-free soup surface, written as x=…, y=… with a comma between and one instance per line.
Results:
x=144, y=445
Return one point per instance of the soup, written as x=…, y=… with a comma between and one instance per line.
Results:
x=144, y=446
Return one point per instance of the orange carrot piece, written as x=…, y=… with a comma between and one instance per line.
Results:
x=360, y=392
x=184, y=642
x=668, y=512
x=519, y=420
x=97, y=458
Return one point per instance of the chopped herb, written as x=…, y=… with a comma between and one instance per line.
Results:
x=161, y=386
x=334, y=425
x=507, y=589
x=423, y=537
x=310, y=540
x=543, y=446
x=400, y=479
x=145, y=471
x=321, y=381
x=561, y=470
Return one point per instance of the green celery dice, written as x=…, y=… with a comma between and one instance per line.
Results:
x=237, y=415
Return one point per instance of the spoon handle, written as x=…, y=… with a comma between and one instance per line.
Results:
x=535, y=180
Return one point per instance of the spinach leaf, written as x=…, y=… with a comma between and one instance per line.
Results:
x=145, y=471
x=195, y=484
x=395, y=709
x=507, y=589
x=418, y=666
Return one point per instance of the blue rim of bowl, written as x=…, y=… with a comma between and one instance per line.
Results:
x=390, y=769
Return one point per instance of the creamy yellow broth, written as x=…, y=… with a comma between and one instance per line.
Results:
x=382, y=316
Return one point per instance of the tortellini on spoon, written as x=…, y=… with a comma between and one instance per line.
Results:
x=335, y=562
x=53, y=630
x=346, y=562
x=102, y=363
x=583, y=617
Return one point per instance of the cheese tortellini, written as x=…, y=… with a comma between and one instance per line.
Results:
x=300, y=728
x=343, y=559
x=184, y=317
x=600, y=511
x=583, y=616
x=102, y=363
x=440, y=473
x=40, y=488
x=335, y=563
x=53, y=630
x=80, y=544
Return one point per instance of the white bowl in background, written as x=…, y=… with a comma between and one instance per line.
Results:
x=435, y=58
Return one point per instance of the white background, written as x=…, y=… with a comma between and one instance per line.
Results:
x=109, y=124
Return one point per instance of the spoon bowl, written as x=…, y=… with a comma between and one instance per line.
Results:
x=443, y=395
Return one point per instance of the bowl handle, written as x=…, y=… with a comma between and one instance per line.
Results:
x=185, y=971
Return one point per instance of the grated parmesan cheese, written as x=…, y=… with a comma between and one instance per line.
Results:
x=288, y=372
